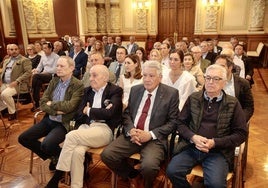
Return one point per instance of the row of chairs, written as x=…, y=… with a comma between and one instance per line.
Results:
x=234, y=179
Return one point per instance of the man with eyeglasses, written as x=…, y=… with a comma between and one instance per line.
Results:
x=210, y=125
x=14, y=79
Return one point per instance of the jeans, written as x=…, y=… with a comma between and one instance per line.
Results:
x=54, y=133
x=215, y=168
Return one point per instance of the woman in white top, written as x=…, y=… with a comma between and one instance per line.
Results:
x=183, y=81
x=131, y=77
x=190, y=66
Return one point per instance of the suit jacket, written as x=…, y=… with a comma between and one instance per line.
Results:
x=21, y=72
x=211, y=57
x=113, y=67
x=80, y=62
x=111, y=53
x=134, y=48
x=244, y=95
x=248, y=68
x=112, y=116
x=69, y=105
x=164, y=114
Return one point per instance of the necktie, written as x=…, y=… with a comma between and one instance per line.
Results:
x=144, y=113
x=118, y=70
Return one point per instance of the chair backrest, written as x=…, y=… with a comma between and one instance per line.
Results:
x=259, y=48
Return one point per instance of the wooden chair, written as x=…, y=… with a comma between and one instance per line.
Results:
x=255, y=55
x=234, y=179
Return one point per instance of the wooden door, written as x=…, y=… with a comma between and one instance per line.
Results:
x=176, y=17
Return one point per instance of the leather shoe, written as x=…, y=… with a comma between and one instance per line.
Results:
x=136, y=182
x=12, y=116
x=53, y=163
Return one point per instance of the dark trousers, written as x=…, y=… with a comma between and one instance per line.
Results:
x=37, y=81
x=54, y=133
x=152, y=153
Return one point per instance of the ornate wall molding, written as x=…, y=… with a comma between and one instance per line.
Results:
x=39, y=18
x=211, y=21
x=142, y=23
x=257, y=15
x=115, y=18
x=91, y=13
x=8, y=20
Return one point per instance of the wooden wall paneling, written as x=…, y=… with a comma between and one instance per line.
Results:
x=66, y=17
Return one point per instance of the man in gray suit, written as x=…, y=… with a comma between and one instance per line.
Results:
x=148, y=120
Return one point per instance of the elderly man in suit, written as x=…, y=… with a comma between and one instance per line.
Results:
x=15, y=78
x=80, y=58
x=148, y=120
x=98, y=115
x=59, y=101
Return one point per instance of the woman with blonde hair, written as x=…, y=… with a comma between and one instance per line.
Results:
x=33, y=55
x=189, y=65
x=131, y=77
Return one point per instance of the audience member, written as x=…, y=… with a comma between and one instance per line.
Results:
x=80, y=58
x=118, y=41
x=96, y=58
x=132, y=46
x=32, y=55
x=165, y=50
x=200, y=62
x=96, y=120
x=157, y=45
x=217, y=49
x=60, y=102
x=7, y=55
x=118, y=67
x=110, y=51
x=234, y=41
x=237, y=86
x=15, y=78
x=38, y=47
x=240, y=54
x=43, y=73
x=90, y=43
x=182, y=45
x=155, y=55
x=206, y=54
x=210, y=125
x=97, y=47
x=140, y=52
x=181, y=80
x=190, y=66
x=149, y=118
x=131, y=77
x=104, y=40
x=58, y=46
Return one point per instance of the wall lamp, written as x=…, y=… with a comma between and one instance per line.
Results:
x=212, y=2
x=141, y=4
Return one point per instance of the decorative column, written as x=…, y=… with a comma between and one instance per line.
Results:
x=141, y=20
x=91, y=12
x=101, y=17
x=256, y=21
x=29, y=15
x=115, y=17
x=211, y=21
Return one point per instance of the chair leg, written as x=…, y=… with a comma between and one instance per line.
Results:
x=113, y=180
x=31, y=162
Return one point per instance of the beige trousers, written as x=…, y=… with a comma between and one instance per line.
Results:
x=76, y=143
x=6, y=99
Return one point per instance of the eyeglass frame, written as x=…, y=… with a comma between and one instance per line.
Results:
x=214, y=79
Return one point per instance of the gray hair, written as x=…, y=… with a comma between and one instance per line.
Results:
x=103, y=70
x=153, y=64
x=68, y=59
x=217, y=67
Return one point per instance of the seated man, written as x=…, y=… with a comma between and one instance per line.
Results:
x=148, y=120
x=44, y=72
x=210, y=125
x=99, y=113
x=14, y=78
x=60, y=102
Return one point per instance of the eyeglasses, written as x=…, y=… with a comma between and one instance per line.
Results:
x=214, y=79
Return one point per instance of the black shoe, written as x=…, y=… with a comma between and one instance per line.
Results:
x=54, y=181
x=53, y=163
x=12, y=116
